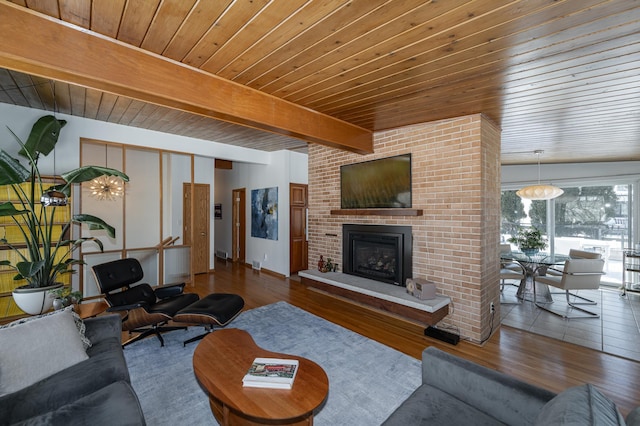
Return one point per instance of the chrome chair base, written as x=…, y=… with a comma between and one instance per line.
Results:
x=572, y=305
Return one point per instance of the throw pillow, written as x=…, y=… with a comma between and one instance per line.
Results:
x=580, y=406
x=79, y=323
x=38, y=348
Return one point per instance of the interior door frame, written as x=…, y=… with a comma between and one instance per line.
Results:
x=190, y=188
x=298, y=202
x=238, y=225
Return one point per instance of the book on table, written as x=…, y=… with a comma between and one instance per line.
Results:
x=271, y=373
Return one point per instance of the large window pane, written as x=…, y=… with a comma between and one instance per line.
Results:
x=593, y=218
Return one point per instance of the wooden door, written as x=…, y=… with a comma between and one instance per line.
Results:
x=239, y=225
x=298, y=245
x=196, y=228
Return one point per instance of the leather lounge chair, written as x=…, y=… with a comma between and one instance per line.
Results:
x=146, y=310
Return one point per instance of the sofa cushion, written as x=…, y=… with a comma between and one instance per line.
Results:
x=505, y=398
x=79, y=323
x=580, y=406
x=431, y=406
x=106, y=365
x=633, y=418
x=35, y=349
x=116, y=404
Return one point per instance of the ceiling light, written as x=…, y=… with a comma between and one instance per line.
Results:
x=107, y=188
x=539, y=191
x=53, y=197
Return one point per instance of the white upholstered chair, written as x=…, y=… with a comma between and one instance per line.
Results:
x=583, y=254
x=575, y=254
x=577, y=274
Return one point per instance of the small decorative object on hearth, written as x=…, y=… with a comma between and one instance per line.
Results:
x=421, y=288
x=529, y=241
x=327, y=266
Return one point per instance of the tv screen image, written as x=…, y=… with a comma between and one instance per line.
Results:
x=383, y=183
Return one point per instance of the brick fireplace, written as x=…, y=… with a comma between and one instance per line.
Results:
x=456, y=186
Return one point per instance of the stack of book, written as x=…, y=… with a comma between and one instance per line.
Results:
x=271, y=373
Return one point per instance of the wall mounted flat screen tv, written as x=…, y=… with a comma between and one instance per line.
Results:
x=383, y=183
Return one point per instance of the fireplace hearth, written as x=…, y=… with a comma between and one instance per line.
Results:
x=378, y=252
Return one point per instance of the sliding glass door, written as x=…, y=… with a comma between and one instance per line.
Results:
x=594, y=218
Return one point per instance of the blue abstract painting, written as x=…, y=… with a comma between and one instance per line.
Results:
x=264, y=213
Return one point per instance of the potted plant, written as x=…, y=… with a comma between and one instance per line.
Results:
x=64, y=296
x=529, y=241
x=40, y=256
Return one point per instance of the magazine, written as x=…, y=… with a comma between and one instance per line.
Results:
x=271, y=373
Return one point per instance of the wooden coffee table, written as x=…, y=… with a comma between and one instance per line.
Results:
x=220, y=362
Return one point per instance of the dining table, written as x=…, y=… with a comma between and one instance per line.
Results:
x=534, y=264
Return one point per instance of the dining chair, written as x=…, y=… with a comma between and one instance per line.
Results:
x=577, y=274
x=575, y=254
x=511, y=273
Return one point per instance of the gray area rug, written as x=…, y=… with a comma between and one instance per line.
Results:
x=367, y=380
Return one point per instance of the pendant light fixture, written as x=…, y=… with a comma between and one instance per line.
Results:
x=106, y=188
x=52, y=197
x=539, y=191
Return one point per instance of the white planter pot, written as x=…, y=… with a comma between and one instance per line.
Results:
x=34, y=301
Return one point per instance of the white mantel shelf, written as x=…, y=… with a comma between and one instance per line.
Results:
x=380, y=295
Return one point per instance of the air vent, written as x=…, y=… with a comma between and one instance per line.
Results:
x=221, y=254
x=256, y=264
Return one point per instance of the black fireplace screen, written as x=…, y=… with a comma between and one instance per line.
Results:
x=376, y=257
x=378, y=252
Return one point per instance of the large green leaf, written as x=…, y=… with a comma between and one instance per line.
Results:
x=11, y=171
x=86, y=173
x=43, y=137
x=29, y=269
x=80, y=241
x=9, y=209
x=95, y=223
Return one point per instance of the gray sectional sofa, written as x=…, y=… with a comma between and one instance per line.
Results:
x=95, y=391
x=455, y=391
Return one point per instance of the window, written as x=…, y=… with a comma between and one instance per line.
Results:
x=593, y=218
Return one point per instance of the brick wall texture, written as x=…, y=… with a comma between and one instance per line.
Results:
x=456, y=182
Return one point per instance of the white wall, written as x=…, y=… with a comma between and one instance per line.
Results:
x=285, y=167
x=253, y=169
x=20, y=120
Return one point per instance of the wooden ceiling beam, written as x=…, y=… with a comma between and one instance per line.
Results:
x=40, y=45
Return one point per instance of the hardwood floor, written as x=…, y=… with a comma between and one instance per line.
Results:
x=546, y=362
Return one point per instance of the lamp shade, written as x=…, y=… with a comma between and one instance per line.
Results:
x=540, y=192
x=53, y=198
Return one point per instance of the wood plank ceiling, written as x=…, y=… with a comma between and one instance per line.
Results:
x=561, y=76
